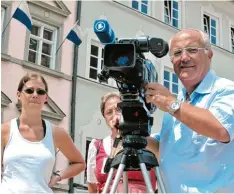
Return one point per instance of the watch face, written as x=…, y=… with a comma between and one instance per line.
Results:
x=175, y=105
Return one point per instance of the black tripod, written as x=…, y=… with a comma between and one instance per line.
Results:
x=133, y=158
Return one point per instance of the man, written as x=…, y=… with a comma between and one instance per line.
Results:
x=197, y=135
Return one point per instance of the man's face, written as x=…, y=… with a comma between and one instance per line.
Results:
x=190, y=65
x=112, y=112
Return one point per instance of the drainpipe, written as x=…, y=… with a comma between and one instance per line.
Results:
x=73, y=97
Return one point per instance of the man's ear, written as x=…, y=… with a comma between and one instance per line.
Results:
x=210, y=54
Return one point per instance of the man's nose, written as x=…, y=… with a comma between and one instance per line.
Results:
x=185, y=56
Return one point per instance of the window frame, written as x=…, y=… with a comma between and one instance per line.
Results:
x=211, y=12
x=3, y=16
x=111, y=82
x=171, y=12
x=84, y=182
x=84, y=149
x=231, y=39
x=99, y=57
x=210, y=27
x=140, y=6
x=54, y=16
x=7, y=6
x=40, y=39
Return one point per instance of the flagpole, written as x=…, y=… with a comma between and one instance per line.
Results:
x=66, y=37
x=11, y=19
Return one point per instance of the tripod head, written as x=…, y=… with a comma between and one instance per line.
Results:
x=135, y=154
x=135, y=116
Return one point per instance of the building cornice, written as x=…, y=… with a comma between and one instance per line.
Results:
x=63, y=10
x=5, y=100
x=42, y=69
x=57, y=113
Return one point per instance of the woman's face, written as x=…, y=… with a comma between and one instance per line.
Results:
x=33, y=94
x=112, y=112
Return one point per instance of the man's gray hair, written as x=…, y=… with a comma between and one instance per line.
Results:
x=205, y=38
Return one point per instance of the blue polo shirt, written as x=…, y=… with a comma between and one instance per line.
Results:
x=190, y=162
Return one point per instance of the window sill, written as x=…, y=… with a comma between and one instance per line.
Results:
x=223, y=50
x=34, y=67
x=91, y=81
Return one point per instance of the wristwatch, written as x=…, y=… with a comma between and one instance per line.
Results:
x=57, y=173
x=174, y=107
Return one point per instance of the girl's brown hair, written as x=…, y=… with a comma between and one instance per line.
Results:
x=105, y=98
x=28, y=77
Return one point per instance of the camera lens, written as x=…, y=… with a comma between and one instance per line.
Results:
x=121, y=55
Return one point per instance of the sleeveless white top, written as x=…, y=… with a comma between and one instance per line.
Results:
x=27, y=166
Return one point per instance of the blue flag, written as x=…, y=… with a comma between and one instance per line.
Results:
x=22, y=14
x=75, y=35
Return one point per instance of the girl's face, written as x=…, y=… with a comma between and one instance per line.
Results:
x=112, y=112
x=33, y=94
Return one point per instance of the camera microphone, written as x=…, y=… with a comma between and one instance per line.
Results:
x=104, y=31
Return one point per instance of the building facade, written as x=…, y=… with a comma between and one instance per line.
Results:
x=130, y=19
x=24, y=52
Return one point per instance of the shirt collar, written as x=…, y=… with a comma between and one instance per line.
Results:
x=206, y=85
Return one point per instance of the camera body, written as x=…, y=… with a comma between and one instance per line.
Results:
x=124, y=61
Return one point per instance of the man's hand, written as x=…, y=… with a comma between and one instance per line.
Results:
x=159, y=95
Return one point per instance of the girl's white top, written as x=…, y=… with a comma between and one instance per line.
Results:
x=92, y=153
x=27, y=166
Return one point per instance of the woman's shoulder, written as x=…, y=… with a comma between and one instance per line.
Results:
x=58, y=130
x=59, y=133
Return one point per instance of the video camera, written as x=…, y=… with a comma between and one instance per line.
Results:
x=125, y=62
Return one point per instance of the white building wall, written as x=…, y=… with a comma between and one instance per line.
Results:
x=126, y=22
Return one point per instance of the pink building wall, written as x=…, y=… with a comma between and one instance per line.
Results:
x=59, y=88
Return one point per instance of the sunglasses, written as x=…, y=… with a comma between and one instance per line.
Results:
x=39, y=91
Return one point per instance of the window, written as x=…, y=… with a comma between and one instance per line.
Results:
x=3, y=11
x=86, y=158
x=140, y=5
x=232, y=39
x=96, y=61
x=171, y=13
x=171, y=82
x=210, y=27
x=42, y=45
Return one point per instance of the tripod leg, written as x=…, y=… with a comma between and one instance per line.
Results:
x=146, y=178
x=117, y=178
x=160, y=181
x=125, y=181
x=108, y=181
